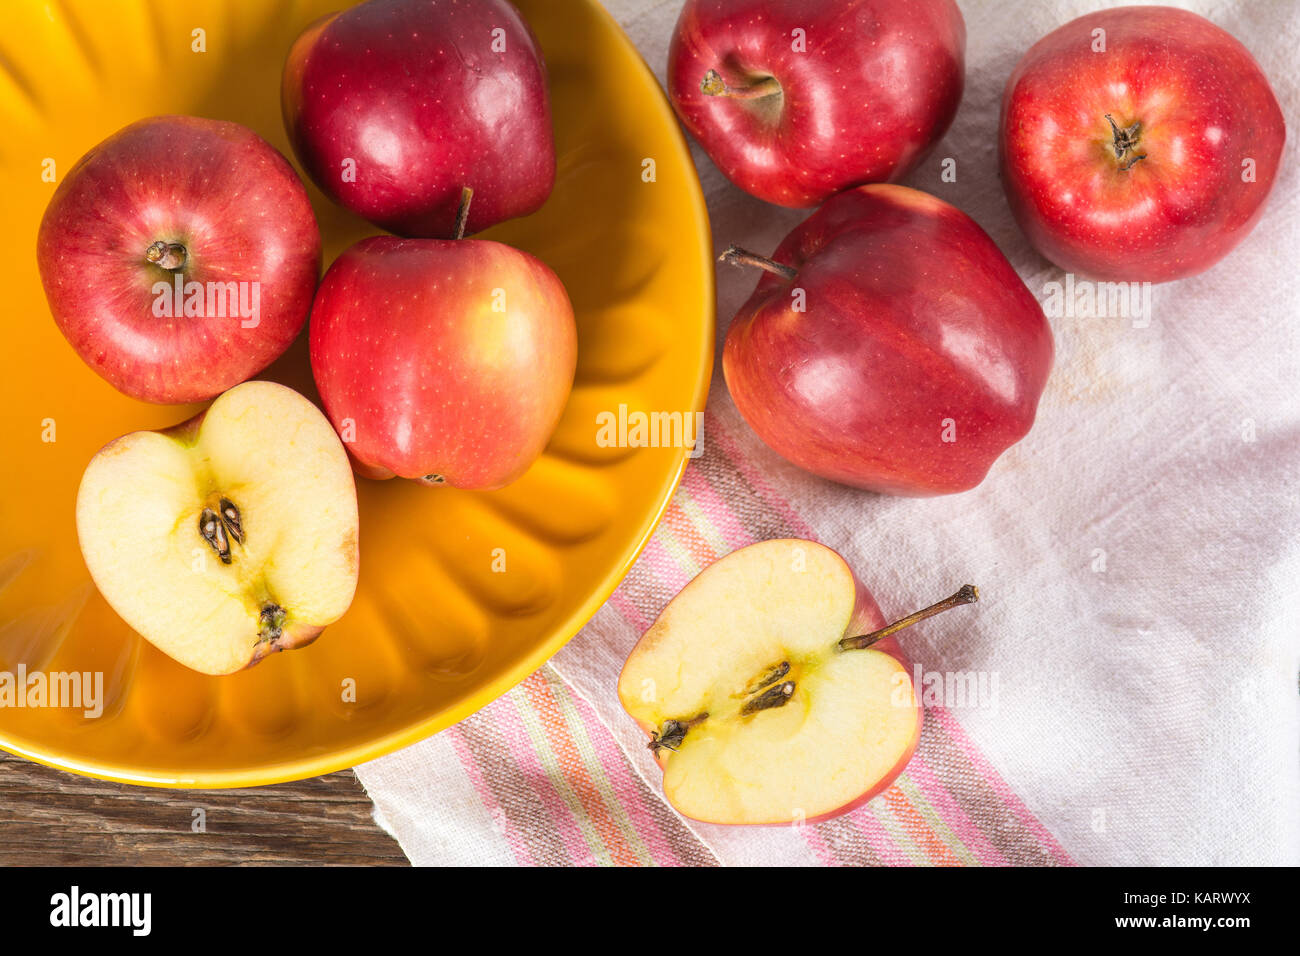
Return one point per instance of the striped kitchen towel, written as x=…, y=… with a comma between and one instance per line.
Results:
x=540, y=777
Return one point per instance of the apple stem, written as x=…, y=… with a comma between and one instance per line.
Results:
x=462, y=212
x=1125, y=143
x=968, y=594
x=737, y=256
x=167, y=255
x=714, y=85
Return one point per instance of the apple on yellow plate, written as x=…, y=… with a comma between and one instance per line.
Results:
x=228, y=537
x=773, y=691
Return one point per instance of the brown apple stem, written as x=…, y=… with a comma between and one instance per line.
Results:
x=737, y=256
x=968, y=594
x=1125, y=143
x=462, y=213
x=714, y=85
x=167, y=255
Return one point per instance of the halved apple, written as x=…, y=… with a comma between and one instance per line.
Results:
x=772, y=691
x=228, y=537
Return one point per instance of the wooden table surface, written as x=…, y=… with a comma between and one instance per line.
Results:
x=52, y=818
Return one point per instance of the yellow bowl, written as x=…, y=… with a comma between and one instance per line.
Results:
x=435, y=632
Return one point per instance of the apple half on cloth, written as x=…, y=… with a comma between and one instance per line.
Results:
x=179, y=257
x=228, y=537
x=772, y=690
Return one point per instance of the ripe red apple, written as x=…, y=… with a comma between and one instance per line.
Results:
x=179, y=257
x=394, y=106
x=1138, y=144
x=772, y=690
x=228, y=537
x=447, y=361
x=890, y=345
x=795, y=100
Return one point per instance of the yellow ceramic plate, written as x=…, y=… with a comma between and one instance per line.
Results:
x=435, y=633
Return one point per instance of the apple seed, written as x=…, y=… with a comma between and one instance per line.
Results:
x=771, y=676
x=213, y=531
x=232, y=520
x=773, y=697
x=218, y=527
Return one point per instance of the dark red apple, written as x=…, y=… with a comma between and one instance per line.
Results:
x=1138, y=144
x=394, y=106
x=447, y=361
x=795, y=100
x=891, y=346
x=179, y=257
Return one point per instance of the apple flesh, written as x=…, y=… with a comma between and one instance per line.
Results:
x=205, y=203
x=890, y=346
x=228, y=537
x=444, y=361
x=795, y=100
x=769, y=691
x=1147, y=161
x=395, y=106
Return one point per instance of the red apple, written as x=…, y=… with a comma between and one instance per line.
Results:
x=1138, y=144
x=891, y=346
x=795, y=100
x=443, y=360
x=772, y=690
x=394, y=106
x=179, y=257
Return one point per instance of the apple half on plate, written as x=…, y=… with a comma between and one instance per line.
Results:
x=228, y=537
x=772, y=690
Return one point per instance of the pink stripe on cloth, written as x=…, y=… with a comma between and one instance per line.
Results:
x=518, y=845
x=879, y=839
x=625, y=787
x=820, y=848
x=937, y=795
x=715, y=508
x=619, y=601
x=994, y=780
x=664, y=566
x=512, y=731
